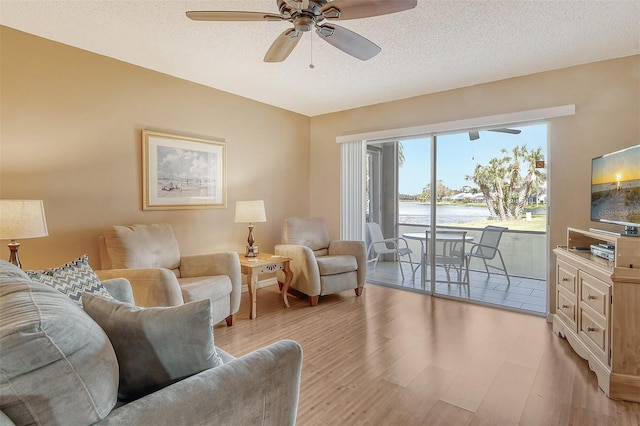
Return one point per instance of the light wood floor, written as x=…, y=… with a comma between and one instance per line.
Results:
x=392, y=357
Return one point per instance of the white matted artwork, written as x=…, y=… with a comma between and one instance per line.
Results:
x=181, y=172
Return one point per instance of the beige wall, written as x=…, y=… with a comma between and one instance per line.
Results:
x=607, y=100
x=70, y=135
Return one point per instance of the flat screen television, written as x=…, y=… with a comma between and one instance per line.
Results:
x=615, y=189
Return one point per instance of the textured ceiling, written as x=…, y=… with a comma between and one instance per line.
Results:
x=439, y=45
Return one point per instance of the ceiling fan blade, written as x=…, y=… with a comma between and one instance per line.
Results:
x=504, y=130
x=348, y=41
x=474, y=135
x=283, y=46
x=355, y=9
x=233, y=16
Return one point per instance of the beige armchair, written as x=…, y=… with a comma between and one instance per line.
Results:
x=321, y=266
x=149, y=257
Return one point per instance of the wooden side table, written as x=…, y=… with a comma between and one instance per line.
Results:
x=262, y=264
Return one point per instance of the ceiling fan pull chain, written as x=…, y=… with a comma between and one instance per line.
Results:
x=311, y=47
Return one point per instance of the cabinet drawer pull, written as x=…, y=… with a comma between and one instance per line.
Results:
x=590, y=297
x=565, y=306
x=565, y=279
x=592, y=329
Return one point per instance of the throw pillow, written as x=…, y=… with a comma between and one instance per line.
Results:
x=155, y=346
x=72, y=279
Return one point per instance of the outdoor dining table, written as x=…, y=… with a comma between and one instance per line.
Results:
x=446, y=237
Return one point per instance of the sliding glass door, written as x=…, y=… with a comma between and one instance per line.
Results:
x=491, y=187
x=460, y=184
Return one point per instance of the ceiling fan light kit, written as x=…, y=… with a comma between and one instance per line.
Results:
x=305, y=15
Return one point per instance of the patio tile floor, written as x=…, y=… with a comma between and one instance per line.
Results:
x=526, y=294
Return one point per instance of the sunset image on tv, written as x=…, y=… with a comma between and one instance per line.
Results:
x=615, y=187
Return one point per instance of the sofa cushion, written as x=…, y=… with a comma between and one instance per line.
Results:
x=72, y=279
x=214, y=287
x=156, y=346
x=142, y=246
x=10, y=270
x=331, y=265
x=58, y=367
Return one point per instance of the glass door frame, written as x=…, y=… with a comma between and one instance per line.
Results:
x=374, y=185
x=390, y=153
x=353, y=160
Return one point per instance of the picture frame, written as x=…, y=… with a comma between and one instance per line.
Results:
x=183, y=172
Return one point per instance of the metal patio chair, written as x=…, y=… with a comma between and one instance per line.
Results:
x=450, y=254
x=380, y=246
x=487, y=249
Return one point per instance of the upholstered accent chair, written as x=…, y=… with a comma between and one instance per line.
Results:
x=149, y=257
x=321, y=266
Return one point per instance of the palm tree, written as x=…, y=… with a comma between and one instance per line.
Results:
x=501, y=182
x=499, y=173
x=483, y=177
x=531, y=181
x=514, y=178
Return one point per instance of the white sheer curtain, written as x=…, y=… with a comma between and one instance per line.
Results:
x=352, y=189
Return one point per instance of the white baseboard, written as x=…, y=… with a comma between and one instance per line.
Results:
x=261, y=284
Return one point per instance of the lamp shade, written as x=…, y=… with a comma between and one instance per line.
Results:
x=20, y=219
x=250, y=211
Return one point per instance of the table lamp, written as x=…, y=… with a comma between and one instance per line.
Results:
x=21, y=219
x=249, y=212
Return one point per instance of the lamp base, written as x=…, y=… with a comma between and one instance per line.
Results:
x=13, y=257
x=252, y=251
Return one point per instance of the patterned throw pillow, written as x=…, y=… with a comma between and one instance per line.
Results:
x=72, y=279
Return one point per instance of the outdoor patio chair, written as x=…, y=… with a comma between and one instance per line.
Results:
x=380, y=246
x=450, y=254
x=487, y=248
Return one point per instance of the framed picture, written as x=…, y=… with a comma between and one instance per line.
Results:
x=181, y=172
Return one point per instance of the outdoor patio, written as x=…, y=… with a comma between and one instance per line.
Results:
x=527, y=294
x=524, y=254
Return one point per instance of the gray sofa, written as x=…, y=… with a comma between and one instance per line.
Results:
x=60, y=368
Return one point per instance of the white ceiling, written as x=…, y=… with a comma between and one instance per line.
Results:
x=439, y=45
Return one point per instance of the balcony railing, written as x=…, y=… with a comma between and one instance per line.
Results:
x=524, y=252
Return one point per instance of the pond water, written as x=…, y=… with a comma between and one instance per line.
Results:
x=419, y=214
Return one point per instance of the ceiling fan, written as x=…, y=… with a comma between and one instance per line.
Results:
x=306, y=15
x=475, y=135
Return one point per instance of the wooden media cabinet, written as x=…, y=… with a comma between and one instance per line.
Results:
x=598, y=308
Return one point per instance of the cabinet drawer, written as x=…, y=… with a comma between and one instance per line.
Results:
x=593, y=330
x=566, y=276
x=566, y=308
x=594, y=293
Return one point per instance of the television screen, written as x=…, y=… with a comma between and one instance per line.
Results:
x=615, y=187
